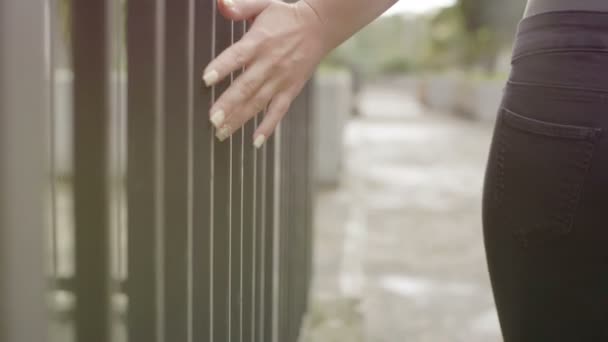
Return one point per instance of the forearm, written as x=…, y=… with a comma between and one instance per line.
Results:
x=343, y=18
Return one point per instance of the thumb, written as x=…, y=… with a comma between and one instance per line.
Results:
x=242, y=9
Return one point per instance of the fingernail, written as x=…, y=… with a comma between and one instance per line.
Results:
x=259, y=141
x=211, y=78
x=223, y=133
x=229, y=3
x=217, y=119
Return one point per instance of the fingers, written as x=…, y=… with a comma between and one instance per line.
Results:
x=242, y=9
x=275, y=112
x=246, y=112
x=230, y=60
x=239, y=93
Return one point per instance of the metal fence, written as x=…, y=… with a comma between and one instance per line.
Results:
x=121, y=217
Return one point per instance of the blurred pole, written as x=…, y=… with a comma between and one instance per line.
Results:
x=145, y=168
x=90, y=55
x=23, y=169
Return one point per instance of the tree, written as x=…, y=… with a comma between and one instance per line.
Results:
x=490, y=24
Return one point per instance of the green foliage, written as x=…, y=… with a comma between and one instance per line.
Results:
x=395, y=66
x=389, y=45
x=498, y=16
x=369, y=51
x=449, y=42
x=65, y=16
x=472, y=32
x=468, y=35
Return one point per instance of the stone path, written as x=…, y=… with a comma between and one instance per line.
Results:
x=399, y=243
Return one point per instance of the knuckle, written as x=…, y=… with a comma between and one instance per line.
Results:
x=280, y=63
x=282, y=104
x=261, y=34
x=242, y=51
x=275, y=60
x=239, y=56
x=285, y=66
x=259, y=105
x=298, y=58
x=247, y=87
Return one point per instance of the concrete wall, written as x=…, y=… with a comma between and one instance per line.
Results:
x=477, y=99
x=333, y=104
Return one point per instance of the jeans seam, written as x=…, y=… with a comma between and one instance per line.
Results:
x=599, y=93
x=545, y=51
x=500, y=164
x=586, y=165
x=549, y=129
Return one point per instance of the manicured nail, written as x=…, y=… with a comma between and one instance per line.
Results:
x=229, y=3
x=259, y=141
x=217, y=119
x=223, y=133
x=211, y=78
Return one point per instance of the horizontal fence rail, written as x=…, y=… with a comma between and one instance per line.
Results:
x=140, y=225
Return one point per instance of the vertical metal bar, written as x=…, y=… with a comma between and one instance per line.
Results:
x=144, y=192
x=190, y=165
x=116, y=163
x=292, y=230
x=61, y=199
x=212, y=184
x=54, y=177
x=309, y=191
x=248, y=238
x=280, y=304
x=53, y=238
x=297, y=257
x=276, y=250
x=236, y=222
x=91, y=108
x=286, y=225
x=24, y=172
x=268, y=240
x=261, y=249
x=121, y=67
x=291, y=247
x=159, y=165
x=259, y=239
x=222, y=208
x=294, y=247
x=202, y=167
x=255, y=213
x=177, y=89
x=114, y=142
x=248, y=241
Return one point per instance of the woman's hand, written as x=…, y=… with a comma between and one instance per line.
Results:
x=280, y=52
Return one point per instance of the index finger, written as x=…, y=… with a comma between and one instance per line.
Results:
x=230, y=60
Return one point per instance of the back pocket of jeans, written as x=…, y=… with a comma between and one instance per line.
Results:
x=541, y=170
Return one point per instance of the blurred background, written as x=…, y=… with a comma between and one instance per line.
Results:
x=405, y=111
x=402, y=120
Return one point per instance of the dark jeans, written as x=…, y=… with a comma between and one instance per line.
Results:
x=545, y=207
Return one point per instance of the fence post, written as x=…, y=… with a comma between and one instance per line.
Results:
x=145, y=36
x=90, y=46
x=24, y=171
x=218, y=233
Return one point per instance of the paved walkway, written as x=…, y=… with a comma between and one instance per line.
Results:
x=399, y=247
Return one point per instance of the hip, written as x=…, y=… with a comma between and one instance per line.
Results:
x=547, y=174
x=535, y=7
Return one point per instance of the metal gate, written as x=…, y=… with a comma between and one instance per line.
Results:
x=121, y=218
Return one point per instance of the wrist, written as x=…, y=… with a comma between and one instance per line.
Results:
x=319, y=20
